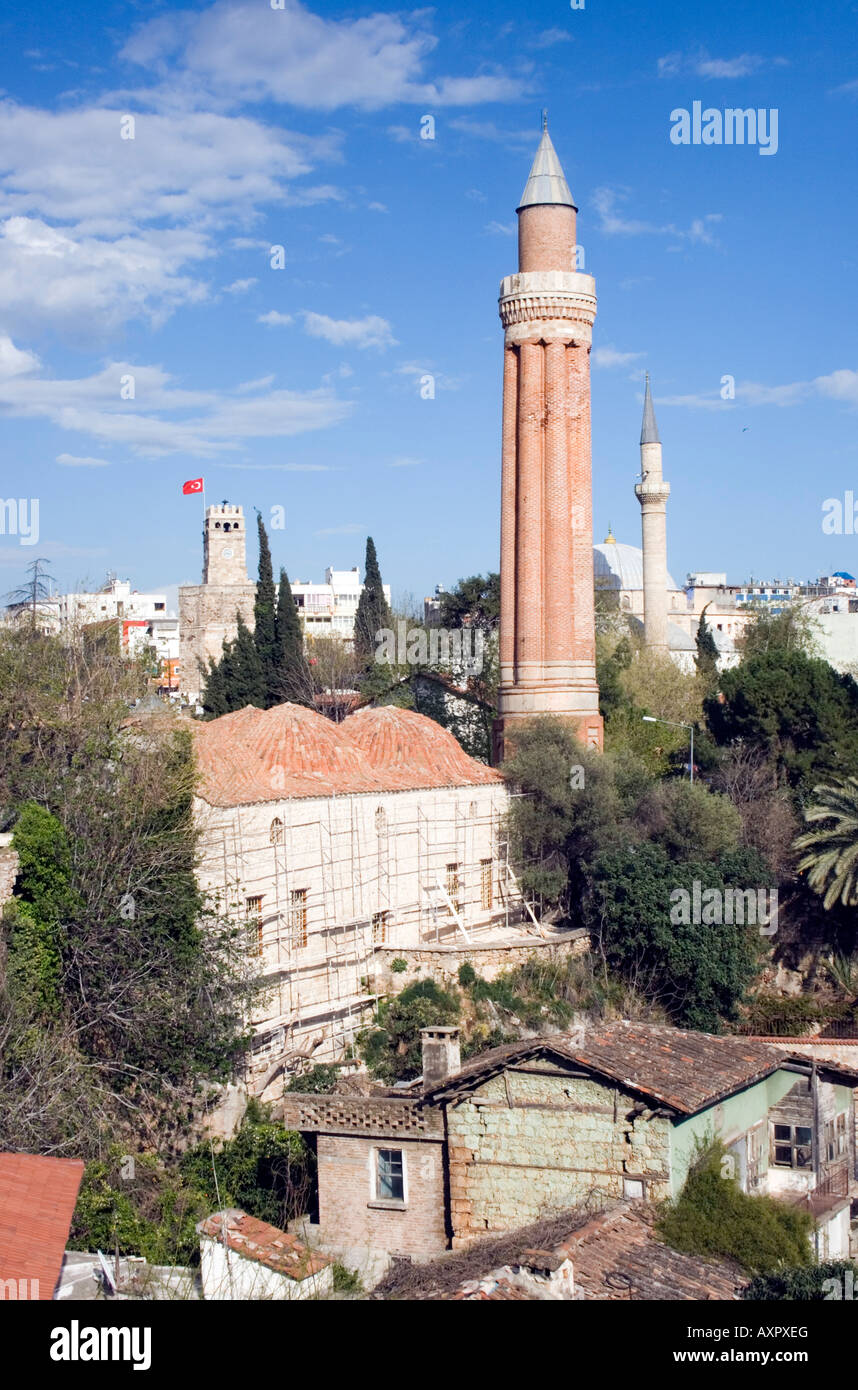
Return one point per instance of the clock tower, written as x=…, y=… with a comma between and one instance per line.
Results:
x=208, y=612
x=224, y=545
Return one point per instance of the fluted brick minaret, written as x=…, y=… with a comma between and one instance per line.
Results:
x=547, y=628
x=652, y=492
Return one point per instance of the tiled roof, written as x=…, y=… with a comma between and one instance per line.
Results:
x=259, y=755
x=685, y=1071
x=267, y=1245
x=618, y=1256
x=37, y=1202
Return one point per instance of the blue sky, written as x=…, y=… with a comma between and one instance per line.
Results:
x=300, y=387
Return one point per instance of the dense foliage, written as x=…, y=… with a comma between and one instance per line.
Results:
x=713, y=1218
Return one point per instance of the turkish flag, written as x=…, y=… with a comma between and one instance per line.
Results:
x=194, y=485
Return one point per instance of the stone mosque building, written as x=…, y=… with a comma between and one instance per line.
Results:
x=365, y=855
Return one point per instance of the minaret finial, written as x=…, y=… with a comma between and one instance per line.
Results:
x=649, y=428
x=545, y=118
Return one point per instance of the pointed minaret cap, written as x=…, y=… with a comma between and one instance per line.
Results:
x=649, y=429
x=546, y=182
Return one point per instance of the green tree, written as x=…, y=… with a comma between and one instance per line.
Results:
x=707, y=653
x=474, y=602
x=688, y=821
x=794, y=629
x=806, y=1283
x=33, y=921
x=831, y=857
x=698, y=973
x=569, y=811
x=392, y=1050
x=373, y=612
x=214, y=698
x=292, y=679
x=243, y=673
x=265, y=1170
x=264, y=629
x=799, y=712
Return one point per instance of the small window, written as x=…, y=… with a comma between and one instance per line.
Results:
x=254, y=916
x=793, y=1146
x=486, y=885
x=381, y=821
x=298, y=908
x=275, y=834
x=633, y=1188
x=389, y=1176
x=380, y=924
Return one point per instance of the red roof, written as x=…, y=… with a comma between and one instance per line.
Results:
x=265, y=1244
x=37, y=1201
x=289, y=751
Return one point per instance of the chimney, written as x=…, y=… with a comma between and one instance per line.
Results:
x=442, y=1055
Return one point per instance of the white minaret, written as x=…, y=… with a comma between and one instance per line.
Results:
x=652, y=492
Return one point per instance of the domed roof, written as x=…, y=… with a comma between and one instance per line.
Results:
x=267, y=755
x=413, y=751
x=619, y=566
x=288, y=751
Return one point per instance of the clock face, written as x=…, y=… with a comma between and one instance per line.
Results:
x=227, y=552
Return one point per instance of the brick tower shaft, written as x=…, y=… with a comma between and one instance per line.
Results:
x=547, y=628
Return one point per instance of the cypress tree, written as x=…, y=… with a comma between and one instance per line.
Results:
x=290, y=680
x=264, y=632
x=243, y=673
x=373, y=611
x=707, y=652
x=214, y=699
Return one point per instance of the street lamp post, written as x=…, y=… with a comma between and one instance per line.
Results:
x=676, y=724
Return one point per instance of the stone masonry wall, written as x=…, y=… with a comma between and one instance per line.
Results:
x=528, y=1144
x=206, y=618
x=8, y=873
x=442, y=963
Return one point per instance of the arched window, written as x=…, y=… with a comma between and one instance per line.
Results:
x=276, y=832
x=381, y=821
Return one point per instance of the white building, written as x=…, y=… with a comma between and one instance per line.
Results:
x=244, y=1258
x=330, y=609
x=347, y=847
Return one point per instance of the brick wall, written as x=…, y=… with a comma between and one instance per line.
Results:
x=349, y=1217
x=528, y=1144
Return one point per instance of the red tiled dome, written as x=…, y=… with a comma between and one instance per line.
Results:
x=268, y=755
x=411, y=751
x=259, y=755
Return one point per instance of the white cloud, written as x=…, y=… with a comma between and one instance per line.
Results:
x=96, y=230
x=549, y=37
x=405, y=463
x=294, y=56
x=240, y=286
x=371, y=331
x=164, y=418
x=702, y=65
x=274, y=318
x=609, y=357
x=500, y=228
x=76, y=461
x=613, y=223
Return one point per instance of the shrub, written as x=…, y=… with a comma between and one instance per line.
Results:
x=398, y=965
x=807, y=1284
x=712, y=1217
x=321, y=1079
x=392, y=1050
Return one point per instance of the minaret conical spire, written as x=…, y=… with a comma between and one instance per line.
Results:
x=546, y=182
x=649, y=428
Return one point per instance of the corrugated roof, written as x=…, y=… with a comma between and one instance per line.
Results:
x=267, y=1245
x=37, y=1201
x=685, y=1071
x=288, y=752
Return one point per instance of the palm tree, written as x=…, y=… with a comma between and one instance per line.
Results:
x=831, y=860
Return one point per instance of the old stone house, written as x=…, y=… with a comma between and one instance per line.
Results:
x=569, y=1120
x=347, y=848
